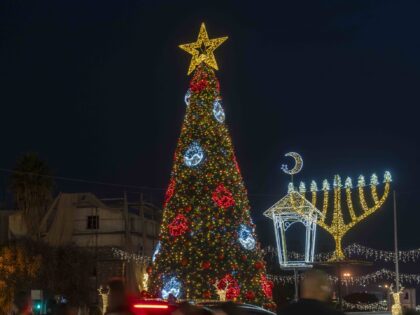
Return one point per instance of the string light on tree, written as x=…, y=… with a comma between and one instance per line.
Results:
x=207, y=201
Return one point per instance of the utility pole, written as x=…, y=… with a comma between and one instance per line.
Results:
x=397, y=269
x=143, y=224
x=127, y=231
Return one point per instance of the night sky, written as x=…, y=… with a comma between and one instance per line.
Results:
x=96, y=88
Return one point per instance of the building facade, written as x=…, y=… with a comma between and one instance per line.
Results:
x=105, y=227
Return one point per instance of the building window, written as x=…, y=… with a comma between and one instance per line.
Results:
x=93, y=222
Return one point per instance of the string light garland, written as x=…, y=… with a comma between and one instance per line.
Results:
x=358, y=251
x=371, y=307
x=374, y=277
x=213, y=202
x=123, y=255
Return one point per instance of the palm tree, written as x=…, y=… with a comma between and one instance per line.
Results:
x=31, y=184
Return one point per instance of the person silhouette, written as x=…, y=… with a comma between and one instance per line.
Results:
x=315, y=292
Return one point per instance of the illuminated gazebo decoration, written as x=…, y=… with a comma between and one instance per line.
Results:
x=294, y=208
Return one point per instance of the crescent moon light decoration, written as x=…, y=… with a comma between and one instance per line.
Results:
x=298, y=164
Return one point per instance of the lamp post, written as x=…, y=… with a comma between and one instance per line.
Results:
x=346, y=276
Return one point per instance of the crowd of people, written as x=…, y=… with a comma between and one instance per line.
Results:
x=315, y=292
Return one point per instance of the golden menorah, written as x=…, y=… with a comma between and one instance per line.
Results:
x=339, y=221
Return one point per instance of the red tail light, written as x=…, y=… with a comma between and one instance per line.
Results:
x=154, y=306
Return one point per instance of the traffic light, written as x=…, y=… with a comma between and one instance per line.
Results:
x=37, y=306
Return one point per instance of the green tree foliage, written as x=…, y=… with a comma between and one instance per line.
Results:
x=29, y=264
x=18, y=270
x=32, y=190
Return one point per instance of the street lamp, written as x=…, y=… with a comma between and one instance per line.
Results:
x=346, y=276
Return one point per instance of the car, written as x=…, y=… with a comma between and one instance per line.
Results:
x=247, y=309
x=162, y=307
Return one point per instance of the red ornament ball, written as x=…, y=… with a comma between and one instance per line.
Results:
x=205, y=265
x=197, y=86
x=267, y=286
x=259, y=265
x=223, y=197
x=206, y=295
x=250, y=295
x=178, y=226
x=184, y=262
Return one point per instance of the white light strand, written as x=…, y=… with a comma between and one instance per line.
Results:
x=123, y=255
x=382, y=274
x=357, y=250
x=378, y=306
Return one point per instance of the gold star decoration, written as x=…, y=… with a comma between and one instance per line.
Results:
x=202, y=50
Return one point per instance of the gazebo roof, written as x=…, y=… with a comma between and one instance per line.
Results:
x=293, y=202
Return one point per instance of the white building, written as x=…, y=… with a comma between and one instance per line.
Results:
x=98, y=225
x=86, y=221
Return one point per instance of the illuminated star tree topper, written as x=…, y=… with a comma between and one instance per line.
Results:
x=202, y=50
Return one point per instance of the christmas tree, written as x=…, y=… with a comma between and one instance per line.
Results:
x=208, y=247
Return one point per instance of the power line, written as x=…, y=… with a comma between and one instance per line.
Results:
x=86, y=181
x=79, y=180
